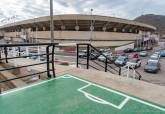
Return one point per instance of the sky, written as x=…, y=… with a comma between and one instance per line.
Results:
x=14, y=10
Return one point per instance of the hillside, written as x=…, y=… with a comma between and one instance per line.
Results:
x=155, y=20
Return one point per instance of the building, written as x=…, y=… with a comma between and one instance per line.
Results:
x=77, y=28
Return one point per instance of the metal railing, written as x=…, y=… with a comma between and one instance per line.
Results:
x=107, y=65
x=129, y=71
x=5, y=50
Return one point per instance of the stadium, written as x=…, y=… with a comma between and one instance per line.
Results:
x=78, y=28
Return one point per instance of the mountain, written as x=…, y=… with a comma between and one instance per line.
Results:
x=156, y=20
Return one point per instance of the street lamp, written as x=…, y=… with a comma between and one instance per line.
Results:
x=51, y=22
x=91, y=27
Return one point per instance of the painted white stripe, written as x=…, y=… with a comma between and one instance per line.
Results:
x=99, y=100
x=94, y=98
x=80, y=89
x=124, y=102
x=102, y=87
x=29, y=86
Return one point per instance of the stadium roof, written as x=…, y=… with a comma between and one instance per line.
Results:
x=69, y=21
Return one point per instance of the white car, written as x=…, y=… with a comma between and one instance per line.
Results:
x=157, y=53
x=135, y=63
x=154, y=57
x=102, y=58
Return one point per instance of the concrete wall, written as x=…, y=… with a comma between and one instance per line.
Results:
x=124, y=47
x=83, y=35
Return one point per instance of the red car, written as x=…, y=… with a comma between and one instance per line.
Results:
x=134, y=55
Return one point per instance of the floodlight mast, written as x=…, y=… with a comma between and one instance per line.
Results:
x=91, y=27
x=51, y=22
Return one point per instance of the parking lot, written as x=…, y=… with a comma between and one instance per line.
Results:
x=156, y=78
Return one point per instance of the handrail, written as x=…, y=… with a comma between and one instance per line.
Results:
x=24, y=56
x=50, y=69
x=137, y=74
x=7, y=80
x=98, y=64
x=99, y=53
x=27, y=44
x=23, y=66
x=107, y=66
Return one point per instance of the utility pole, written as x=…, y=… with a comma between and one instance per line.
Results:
x=51, y=22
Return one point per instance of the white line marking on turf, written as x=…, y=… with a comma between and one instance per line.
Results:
x=99, y=100
x=132, y=98
x=80, y=89
x=124, y=102
x=66, y=77
x=29, y=86
x=94, y=98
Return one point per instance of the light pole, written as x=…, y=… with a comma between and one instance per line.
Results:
x=51, y=22
x=91, y=27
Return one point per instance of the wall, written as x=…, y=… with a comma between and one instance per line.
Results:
x=83, y=35
x=124, y=47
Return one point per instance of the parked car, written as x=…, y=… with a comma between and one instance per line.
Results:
x=143, y=53
x=33, y=55
x=82, y=54
x=157, y=53
x=128, y=50
x=103, y=58
x=154, y=57
x=162, y=53
x=42, y=59
x=121, y=60
x=149, y=48
x=152, y=66
x=113, y=58
x=134, y=55
x=93, y=56
x=144, y=49
x=135, y=63
x=136, y=49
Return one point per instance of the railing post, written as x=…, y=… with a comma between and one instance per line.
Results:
x=119, y=70
x=19, y=51
x=0, y=90
x=77, y=61
x=88, y=56
x=53, y=68
x=5, y=51
x=0, y=55
x=48, y=62
x=106, y=65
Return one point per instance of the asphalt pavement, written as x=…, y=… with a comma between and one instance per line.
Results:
x=158, y=78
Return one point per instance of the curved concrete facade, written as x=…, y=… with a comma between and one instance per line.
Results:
x=77, y=28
